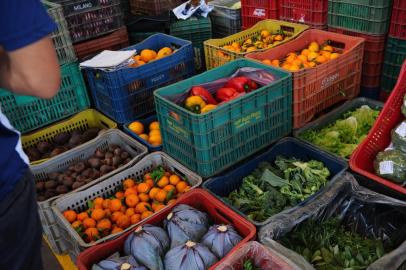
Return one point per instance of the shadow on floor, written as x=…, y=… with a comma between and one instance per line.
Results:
x=48, y=259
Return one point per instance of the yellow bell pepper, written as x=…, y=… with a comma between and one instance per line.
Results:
x=195, y=104
x=208, y=108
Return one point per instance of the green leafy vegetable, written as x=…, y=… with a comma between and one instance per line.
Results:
x=269, y=189
x=343, y=136
x=328, y=245
x=249, y=265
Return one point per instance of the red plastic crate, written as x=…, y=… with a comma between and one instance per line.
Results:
x=113, y=41
x=198, y=198
x=310, y=12
x=374, y=51
x=398, y=21
x=379, y=137
x=316, y=89
x=253, y=11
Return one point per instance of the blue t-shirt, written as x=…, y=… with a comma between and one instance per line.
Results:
x=22, y=22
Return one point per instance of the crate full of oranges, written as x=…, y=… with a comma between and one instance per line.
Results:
x=119, y=203
x=146, y=131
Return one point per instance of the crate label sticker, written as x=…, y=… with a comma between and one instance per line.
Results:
x=158, y=79
x=84, y=5
x=176, y=128
x=386, y=167
x=260, y=12
x=326, y=82
x=401, y=130
x=248, y=120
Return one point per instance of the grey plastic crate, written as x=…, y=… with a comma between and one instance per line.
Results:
x=83, y=152
x=78, y=200
x=224, y=19
x=335, y=115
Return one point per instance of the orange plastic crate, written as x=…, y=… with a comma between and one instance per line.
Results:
x=316, y=89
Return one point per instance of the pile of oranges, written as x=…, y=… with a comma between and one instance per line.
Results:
x=309, y=57
x=135, y=202
x=148, y=55
x=153, y=135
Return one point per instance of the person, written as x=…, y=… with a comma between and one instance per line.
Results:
x=28, y=66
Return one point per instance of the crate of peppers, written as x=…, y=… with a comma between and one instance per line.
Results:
x=211, y=121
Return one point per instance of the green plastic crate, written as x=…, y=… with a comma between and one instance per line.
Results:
x=28, y=113
x=395, y=54
x=196, y=30
x=209, y=143
x=364, y=16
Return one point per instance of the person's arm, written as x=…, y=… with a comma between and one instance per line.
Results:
x=32, y=70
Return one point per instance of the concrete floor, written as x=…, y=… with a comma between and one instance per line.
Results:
x=48, y=259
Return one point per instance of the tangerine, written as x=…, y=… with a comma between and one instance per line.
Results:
x=146, y=214
x=89, y=223
x=131, y=200
x=161, y=195
x=82, y=216
x=70, y=215
x=174, y=179
x=142, y=207
x=143, y=197
x=115, y=205
x=135, y=218
x=91, y=234
x=153, y=192
x=136, y=127
x=154, y=125
x=128, y=183
x=123, y=222
x=147, y=55
x=143, y=188
x=98, y=214
x=181, y=186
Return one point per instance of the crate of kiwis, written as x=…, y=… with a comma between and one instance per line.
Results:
x=46, y=143
x=90, y=163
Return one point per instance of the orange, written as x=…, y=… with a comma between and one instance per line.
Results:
x=290, y=58
x=142, y=207
x=107, y=213
x=265, y=33
x=150, y=183
x=251, y=49
x=130, y=191
x=116, y=230
x=131, y=200
x=327, y=48
x=123, y=222
x=321, y=59
x=144, y=136
x=334, y=56
x=129, y=212
x=143, y=197
x=155, y=139
x=326, y=54
x=161, y=195
x=312, y=56
x=128, y=183
x=181, y=186
x=276, y=63
x=104, y=225
x=136, y=127
x=115, y=205
x=312, y=64
x=137, y=57
x=169, y=188
x=106, y=203
x=143, y=188
x=116, y=215
x=165, y=51
x=98, y=206
x=98, y=214
x=123, y=209
x=76, y=224
x=98, y=201
x=70, y=215
x=119, y=195
x=159, y=207
x=140, y=63
x=278, y=37
x=302, y=57
x=147, y=55
x=135, y=218
x=297, y=62
x=147, y=176
x=305, y=52
x=89, y=223
x=82, y=216
x=163, y=181
x=174, y=179
x=167, y=174
x=294, y=68
x=286, y=66
x=153, y=192
x=314, y=47
x=154, y=125
x=146, y=214
x=91, y=234
x=267, y=62
x=155, y=204
x=171, y=201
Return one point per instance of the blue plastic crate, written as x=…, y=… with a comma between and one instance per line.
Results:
x=221, y=186
x=127, y=94
x=211, y=142
x=145, y=122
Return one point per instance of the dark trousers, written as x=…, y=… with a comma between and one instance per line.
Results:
x=20, y=228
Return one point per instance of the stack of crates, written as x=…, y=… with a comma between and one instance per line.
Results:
x=140, y=27
x=92, y=22
x=310, y=12
x=225, y=17
x=370, y=20
x=253, y=11
x=197, y=30
x=395, y=51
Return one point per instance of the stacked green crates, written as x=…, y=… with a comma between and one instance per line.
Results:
x=395, y=54
x=371, y=17
x=197, y=30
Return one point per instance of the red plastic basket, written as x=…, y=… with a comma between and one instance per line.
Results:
x=253, y=11
x=310, y=12
x=316, y=89
x=374, y=51
x=198, y=198
x=398, y=21
x=380, y=136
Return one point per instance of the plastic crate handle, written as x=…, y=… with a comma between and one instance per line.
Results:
x=24, y=100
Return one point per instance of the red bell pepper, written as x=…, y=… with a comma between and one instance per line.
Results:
x=241, y=84
x=204, y=94
x=226, y=94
